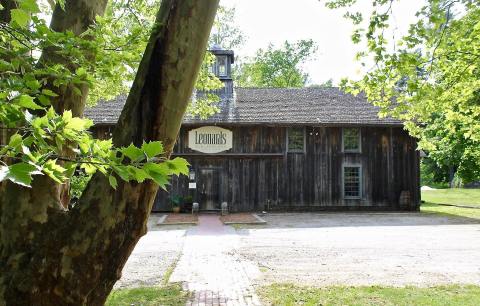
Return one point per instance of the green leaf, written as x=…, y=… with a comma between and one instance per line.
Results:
x=54, y=171
x=113, y=181
x=20, y=17
x=81, y=71
x=159, y=173
x=43, y=99
x=132, y=152
x=33, y=84
x=178, y=166
x=162, y=168
x=89, y=168
x=152, y=148
x=78, y=124
x=51, y=113
x=122, y=171
x=49, y=93
x=15, y=140
x=138, y=174
x=21, y=173
x=160, y=180
x=70, y=168
x=29, y=6
x=27, y=102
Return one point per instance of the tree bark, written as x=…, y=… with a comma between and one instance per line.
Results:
x=8, y=5
x=77, y=17
x=5, y=17
x=49, y=256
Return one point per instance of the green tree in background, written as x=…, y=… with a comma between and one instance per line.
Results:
x=225, y=32
x=277, y=67
x=430, y=77
x=328, y=83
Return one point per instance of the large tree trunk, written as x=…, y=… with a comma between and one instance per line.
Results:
x=49, y=256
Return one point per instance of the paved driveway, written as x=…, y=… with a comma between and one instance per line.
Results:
x=362, y=249
x=154, y=254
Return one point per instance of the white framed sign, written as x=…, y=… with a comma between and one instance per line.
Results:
x=210, y=139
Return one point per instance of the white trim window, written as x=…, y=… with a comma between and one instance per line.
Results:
x=352, y=181
x=351, y=140
x=296, y=139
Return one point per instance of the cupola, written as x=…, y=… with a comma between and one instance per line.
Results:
x=222, y=67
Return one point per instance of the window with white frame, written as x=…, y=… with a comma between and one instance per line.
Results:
x=296, y=139
x=352, y=182
x=351, y=140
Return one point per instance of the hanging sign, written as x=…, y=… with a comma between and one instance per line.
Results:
x=210, y=139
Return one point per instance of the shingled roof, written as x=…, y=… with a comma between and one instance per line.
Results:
x=282, y=106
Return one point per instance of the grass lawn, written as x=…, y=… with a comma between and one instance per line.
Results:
x=170, y=295
x=286, y=294
x=457, y=196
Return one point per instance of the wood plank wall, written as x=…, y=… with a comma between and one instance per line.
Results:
x=271, y=179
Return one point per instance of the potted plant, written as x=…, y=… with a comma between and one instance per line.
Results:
x=176, y=201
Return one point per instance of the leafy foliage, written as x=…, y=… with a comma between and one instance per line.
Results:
x=78, y=183
x=428, y=78
x=41, y=141
x=433, y=175
x=277, y=67
x=122, y=35
x=204, y=105
x=225, y=32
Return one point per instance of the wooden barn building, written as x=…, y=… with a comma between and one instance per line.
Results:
x=288, y=149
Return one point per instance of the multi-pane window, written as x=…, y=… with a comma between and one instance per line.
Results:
x=352, y=182
x=296, y=139
x=222, y=65
x=351, y=140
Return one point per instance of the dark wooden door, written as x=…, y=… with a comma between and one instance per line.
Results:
x=209, y=189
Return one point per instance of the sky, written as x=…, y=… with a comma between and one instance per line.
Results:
x=274, y=21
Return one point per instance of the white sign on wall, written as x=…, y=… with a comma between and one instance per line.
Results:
x=210, y=139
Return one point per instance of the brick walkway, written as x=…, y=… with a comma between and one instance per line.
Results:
x=211, y=268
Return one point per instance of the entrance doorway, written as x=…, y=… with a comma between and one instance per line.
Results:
x=209, y=191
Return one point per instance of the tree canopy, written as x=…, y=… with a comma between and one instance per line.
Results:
x=277, y=67
x=429, y=77
x=225, y=32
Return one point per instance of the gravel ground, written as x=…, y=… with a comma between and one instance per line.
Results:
x=393, y=249
x=153, y=255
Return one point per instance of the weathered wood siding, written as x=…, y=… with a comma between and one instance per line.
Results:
x=258, y=174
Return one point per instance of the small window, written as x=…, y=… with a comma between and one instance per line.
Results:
x=351, y=140
x=296, y=140
x=352, y=182
x=222, y=65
